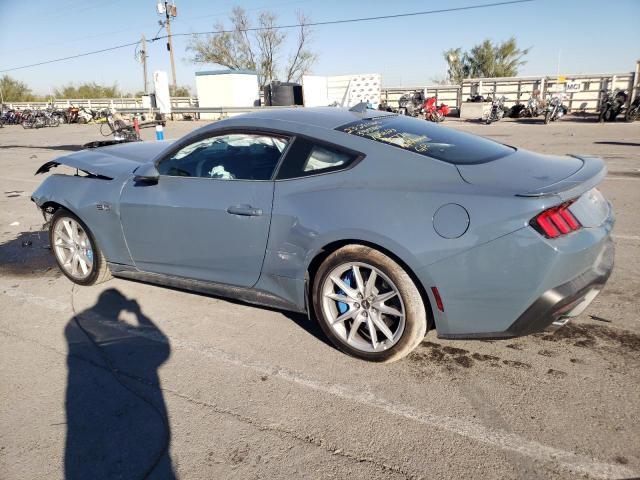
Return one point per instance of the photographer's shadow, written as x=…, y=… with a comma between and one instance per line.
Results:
x=117, y=425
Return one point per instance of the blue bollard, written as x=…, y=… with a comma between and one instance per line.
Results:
x=159, y=132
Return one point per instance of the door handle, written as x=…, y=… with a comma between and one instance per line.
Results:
x=244, y=210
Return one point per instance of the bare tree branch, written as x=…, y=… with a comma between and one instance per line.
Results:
x=302, y=60
x=269, y=43
x=259, y=50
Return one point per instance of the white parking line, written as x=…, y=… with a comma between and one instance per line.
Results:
x=622, y=178
x=626, y=237
x=497, y=438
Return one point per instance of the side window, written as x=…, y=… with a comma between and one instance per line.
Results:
x=236, y=156
x=306, y=158
x=321, y=158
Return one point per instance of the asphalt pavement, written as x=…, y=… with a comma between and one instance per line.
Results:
x=197, y=387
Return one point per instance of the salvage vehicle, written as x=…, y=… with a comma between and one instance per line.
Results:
x=377, y=225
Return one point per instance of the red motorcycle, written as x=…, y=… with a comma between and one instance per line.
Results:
x=433, y=112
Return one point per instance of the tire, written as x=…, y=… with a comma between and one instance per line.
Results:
x=631, y=115
x=547, y=118
x=98, y=271
x=406, y=331
x=105, y=129
x=604, y=114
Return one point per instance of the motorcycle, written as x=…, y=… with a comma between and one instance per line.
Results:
x=533, y=108
x=382, y=106
x=612, y=104
x=411, y=103
x=555, y=109
x=84, y=115
x=633, y=112
x=497, y=109
x=434, y=113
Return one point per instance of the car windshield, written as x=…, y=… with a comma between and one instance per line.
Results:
x=428, y=139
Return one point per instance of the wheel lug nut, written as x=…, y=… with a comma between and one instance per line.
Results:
x=365, y=314
x=357, y=305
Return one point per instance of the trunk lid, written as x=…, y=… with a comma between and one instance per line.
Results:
x=523, y=173
x=110, y=161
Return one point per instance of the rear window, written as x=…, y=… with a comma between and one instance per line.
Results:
x=428, y=139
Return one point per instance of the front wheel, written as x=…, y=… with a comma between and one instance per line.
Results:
x=368, y=305
x=75, y=250
x=632, y=114
x=547, y=118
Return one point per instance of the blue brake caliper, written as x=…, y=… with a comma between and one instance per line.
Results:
x=348, y=279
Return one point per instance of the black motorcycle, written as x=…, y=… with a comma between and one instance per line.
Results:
x=411, y=103
x=612, y=104
x=497, y=110
x=633, y=112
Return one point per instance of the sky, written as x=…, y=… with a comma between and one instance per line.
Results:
x=405, y=51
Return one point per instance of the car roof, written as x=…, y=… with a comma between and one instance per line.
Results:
x=324, y=117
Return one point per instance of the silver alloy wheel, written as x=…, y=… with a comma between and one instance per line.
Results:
x=364, y=307
x=72, y=248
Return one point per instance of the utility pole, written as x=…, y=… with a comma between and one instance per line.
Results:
x=143, y=59
x=169, y=10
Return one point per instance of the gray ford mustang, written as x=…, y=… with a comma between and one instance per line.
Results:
x=379, y=226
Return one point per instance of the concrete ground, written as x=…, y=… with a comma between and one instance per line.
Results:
x=234, y=391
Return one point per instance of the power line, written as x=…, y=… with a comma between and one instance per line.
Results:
x=353, y=20
x=280, y=27
x=72, y=57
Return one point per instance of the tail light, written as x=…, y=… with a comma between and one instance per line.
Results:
x=556, y=221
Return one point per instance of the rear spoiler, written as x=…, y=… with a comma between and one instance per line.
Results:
x=591, y=174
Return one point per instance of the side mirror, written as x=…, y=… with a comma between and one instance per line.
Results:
x=146, y=173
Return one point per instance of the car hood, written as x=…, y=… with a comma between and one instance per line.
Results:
x=110, y=161
x=531, y=174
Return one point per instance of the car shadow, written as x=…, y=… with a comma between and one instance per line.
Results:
x=68, y=148
x=302, y=320
x=117, y=423
x=622, y=144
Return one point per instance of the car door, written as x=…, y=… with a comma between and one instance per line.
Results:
x=208, y=216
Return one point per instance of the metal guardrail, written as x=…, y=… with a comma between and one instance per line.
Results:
x=221, y=110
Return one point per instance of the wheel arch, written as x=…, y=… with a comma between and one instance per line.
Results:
x=322, y=253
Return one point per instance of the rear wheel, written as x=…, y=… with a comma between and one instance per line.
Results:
x=604, y=115
x=76, y=251
x=632, y=114
x=368, y=305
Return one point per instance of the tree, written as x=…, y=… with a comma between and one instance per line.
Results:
x=87, y=90
x=485, y=60
x=16, y=91
x=256, y=48
x=182, y=91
